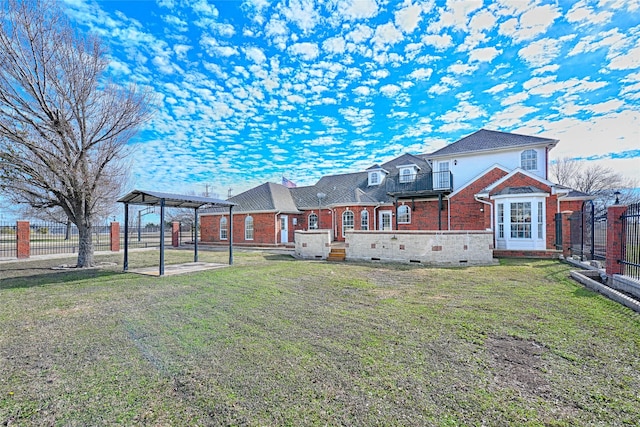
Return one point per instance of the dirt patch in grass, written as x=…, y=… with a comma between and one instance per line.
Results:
x=517, y=364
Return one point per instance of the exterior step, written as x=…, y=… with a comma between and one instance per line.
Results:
x=337, y=254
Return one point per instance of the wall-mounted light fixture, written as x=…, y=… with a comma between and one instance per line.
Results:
x=455, y=162
x=617, y=194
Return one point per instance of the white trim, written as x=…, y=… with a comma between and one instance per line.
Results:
x=551, y=144
x=480, y=175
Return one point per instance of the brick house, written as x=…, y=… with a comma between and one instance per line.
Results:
x=488, y=180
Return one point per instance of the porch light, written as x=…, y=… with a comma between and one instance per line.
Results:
x=617, y=194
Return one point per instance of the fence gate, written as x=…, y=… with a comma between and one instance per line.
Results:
x=588, y=233
x=630, y=241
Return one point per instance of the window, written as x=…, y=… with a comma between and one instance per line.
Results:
x=407, y=175
x=529, y=160
x=404, y=214
x=364, y=220
x=374, y=178
x=313, y=221
x=347, y=221
x=501, y=220
x=248, y=228
x=521, y=220
x=540, y=220
x=441, y=177
x=223, y=228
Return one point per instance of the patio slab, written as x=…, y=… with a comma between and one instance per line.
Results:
x=173, y=269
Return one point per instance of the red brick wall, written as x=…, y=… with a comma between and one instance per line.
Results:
x=175, y=234
x=424, y=215
x=23, y=248
x=114, y=234
x=466, y=212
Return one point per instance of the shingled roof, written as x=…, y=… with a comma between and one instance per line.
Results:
x=268, y=197
x=485, y=140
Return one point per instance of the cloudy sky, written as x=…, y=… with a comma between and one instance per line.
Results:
x=250, y=90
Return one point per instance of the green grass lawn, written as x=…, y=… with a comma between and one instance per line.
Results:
x=276, y=341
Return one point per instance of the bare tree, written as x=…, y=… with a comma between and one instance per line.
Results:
x=64, y=126
x=596, y=180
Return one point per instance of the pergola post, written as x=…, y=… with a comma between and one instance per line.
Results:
x=195, y=238
x=230, y=235
x=161, y=272
x=125, y=265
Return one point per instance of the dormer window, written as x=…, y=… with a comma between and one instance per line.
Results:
x=529, y=160
x=408, y=173
x=376, y=175
x=374, y=178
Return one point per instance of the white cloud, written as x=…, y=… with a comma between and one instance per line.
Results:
x=514, y=99
x=482, y=21
x=626, y=61
x=334, y=45
x=362, y=91
x=380, y=74
x=460, y=68
x=390, y=90
x=582, y=13
x=421, y=74
x=456, y=14
x=386, y=34
x=485, y=54
x=439, y=41
x=255, y=54
x=541, y=52
x=302, y=13
x=499, y=88
x=408, y=17
x=531, y=23
x=307, y=51
x=358, y=9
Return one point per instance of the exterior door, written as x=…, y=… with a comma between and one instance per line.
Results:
x=385, y=220
x=284, y=229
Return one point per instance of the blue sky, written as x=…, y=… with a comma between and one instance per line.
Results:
x=249, y=91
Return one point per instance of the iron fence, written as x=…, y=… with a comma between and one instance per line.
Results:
x=8, y=240
x=54, y=238
x=145, y=237
x=588, y=233
x=630, y=241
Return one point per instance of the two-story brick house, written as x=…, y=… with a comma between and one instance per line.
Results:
x=488, y=180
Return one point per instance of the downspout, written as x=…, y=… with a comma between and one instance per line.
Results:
x=448, y=213
x=375, y=218
x=490, y=210
x=275, y=227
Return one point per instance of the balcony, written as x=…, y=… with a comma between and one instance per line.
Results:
x=422, y=184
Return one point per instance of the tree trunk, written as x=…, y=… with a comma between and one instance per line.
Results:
x=85, y=246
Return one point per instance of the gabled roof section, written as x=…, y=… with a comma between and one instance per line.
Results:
x=267, y=197
x=408, y=159
x=376, y=167
x=527, y=189
x=555, y=188
x=489, y=140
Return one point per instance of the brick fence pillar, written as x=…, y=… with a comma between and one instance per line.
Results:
x=23, y=242
x=615, y=250
x=175, y=234
x=566, y=234
x=114, y=234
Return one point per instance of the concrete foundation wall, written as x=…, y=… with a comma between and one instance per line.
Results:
x=446, y=248
x=313, y=244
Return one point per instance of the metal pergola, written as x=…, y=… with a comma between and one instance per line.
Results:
x=154, y=198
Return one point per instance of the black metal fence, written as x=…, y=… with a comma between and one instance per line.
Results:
x=8, y=240
x=145, y=237
x=631, y=241
x=588, y=233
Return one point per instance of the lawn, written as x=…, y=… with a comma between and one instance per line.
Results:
x=276, y=341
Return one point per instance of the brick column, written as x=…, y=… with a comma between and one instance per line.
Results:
x=114, y=234
x=175, y=234
x=23, y=242
x=566, y=233
x=614, y=239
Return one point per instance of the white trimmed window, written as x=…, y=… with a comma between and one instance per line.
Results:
x=529, y=160
x=223, y=228
x=347, y=221
x=540, y=220
x=248, y=228
x=500, y=220
x=521, y=220
x=364, y=220
x=404, y=214
x=313, y=221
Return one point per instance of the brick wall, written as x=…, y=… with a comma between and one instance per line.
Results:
x=466, y=212
x=424, y=215
x=23, y=244
x=114, y=237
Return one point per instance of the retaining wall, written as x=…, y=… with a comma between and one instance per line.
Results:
x=313, y=244
x=446, y=248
